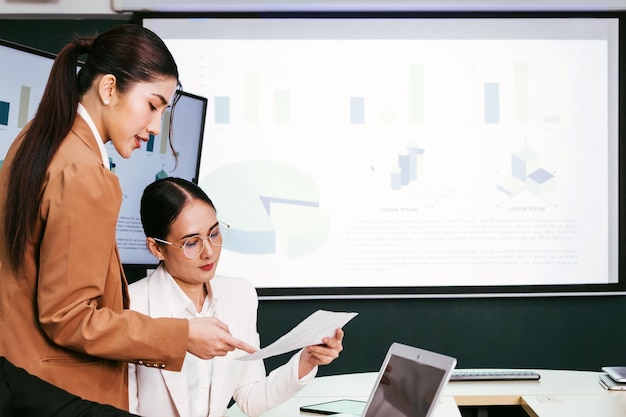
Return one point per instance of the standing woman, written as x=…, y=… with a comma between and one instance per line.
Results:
x=63, y=295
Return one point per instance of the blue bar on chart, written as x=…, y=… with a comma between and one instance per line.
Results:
x=22, y=114
x=404, y=162
x=416, y=94
x=221, y=112
x=150, y=144
x=357, y=110
x=492, y=103
x=281, y=107
x=4, y=113
x=396, y=178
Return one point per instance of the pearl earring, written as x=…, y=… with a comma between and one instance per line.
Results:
x=106, y=102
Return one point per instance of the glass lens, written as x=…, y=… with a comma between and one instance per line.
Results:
x=193, y=246
x=224, y=229
x=216, y=236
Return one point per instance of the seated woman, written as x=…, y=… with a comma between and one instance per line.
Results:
x=183, y=232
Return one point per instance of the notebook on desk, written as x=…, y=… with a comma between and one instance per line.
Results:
x=409, y=384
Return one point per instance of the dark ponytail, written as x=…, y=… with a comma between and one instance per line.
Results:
x=132, y=54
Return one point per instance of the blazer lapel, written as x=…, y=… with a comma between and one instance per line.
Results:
x=158, y=294
x=219, y=384
x=176, y=382
x=222, y=378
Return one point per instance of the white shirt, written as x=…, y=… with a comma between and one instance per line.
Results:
x=103, y=151
x=157, y=392
x=199, y=371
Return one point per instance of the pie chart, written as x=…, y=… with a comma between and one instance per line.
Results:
x=270, y=207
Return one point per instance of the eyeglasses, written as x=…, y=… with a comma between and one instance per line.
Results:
x=194, y=245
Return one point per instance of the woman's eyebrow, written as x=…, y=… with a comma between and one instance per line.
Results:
x=196, y=234
x=163, y=100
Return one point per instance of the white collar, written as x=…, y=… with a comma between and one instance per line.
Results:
x=181, y=302
x=103, y=151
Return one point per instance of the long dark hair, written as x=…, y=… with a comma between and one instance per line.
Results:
x=163, y=200
x=132, y=54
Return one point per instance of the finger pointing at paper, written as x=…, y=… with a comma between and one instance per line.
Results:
x=209, y=337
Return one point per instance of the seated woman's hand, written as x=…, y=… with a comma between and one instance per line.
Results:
x=322, y=354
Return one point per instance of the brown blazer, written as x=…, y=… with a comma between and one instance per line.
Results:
x=65, y=319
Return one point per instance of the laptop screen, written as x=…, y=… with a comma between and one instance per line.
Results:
x=409, y=384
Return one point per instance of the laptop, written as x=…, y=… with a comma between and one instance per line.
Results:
x=409, y=384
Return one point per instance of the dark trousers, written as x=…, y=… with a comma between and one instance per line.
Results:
x=25, y=395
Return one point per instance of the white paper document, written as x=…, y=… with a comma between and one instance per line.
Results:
x=310, y=331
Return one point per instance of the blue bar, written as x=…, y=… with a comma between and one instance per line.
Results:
x=404, y=162
x=4, y=113
x=396, y=178
x=222, y=110
x=492, y=103
x=357, y=110
x=150, y=145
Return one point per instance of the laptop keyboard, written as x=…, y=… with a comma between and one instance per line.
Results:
x=489, y=375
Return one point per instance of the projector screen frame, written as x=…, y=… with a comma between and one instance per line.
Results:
x=606, y=289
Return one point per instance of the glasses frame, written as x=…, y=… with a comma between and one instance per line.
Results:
x=203, y=240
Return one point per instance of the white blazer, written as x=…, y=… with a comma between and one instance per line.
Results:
x=156, y=392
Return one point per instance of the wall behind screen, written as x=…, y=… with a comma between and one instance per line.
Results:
x=562, y=333
x=51, y=35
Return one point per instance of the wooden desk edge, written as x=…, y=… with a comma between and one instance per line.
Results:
x=473, y=400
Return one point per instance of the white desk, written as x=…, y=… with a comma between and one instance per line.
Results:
x=556, y=394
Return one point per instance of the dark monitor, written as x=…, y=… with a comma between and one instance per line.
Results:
x=23, y=76
x=152, y=161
